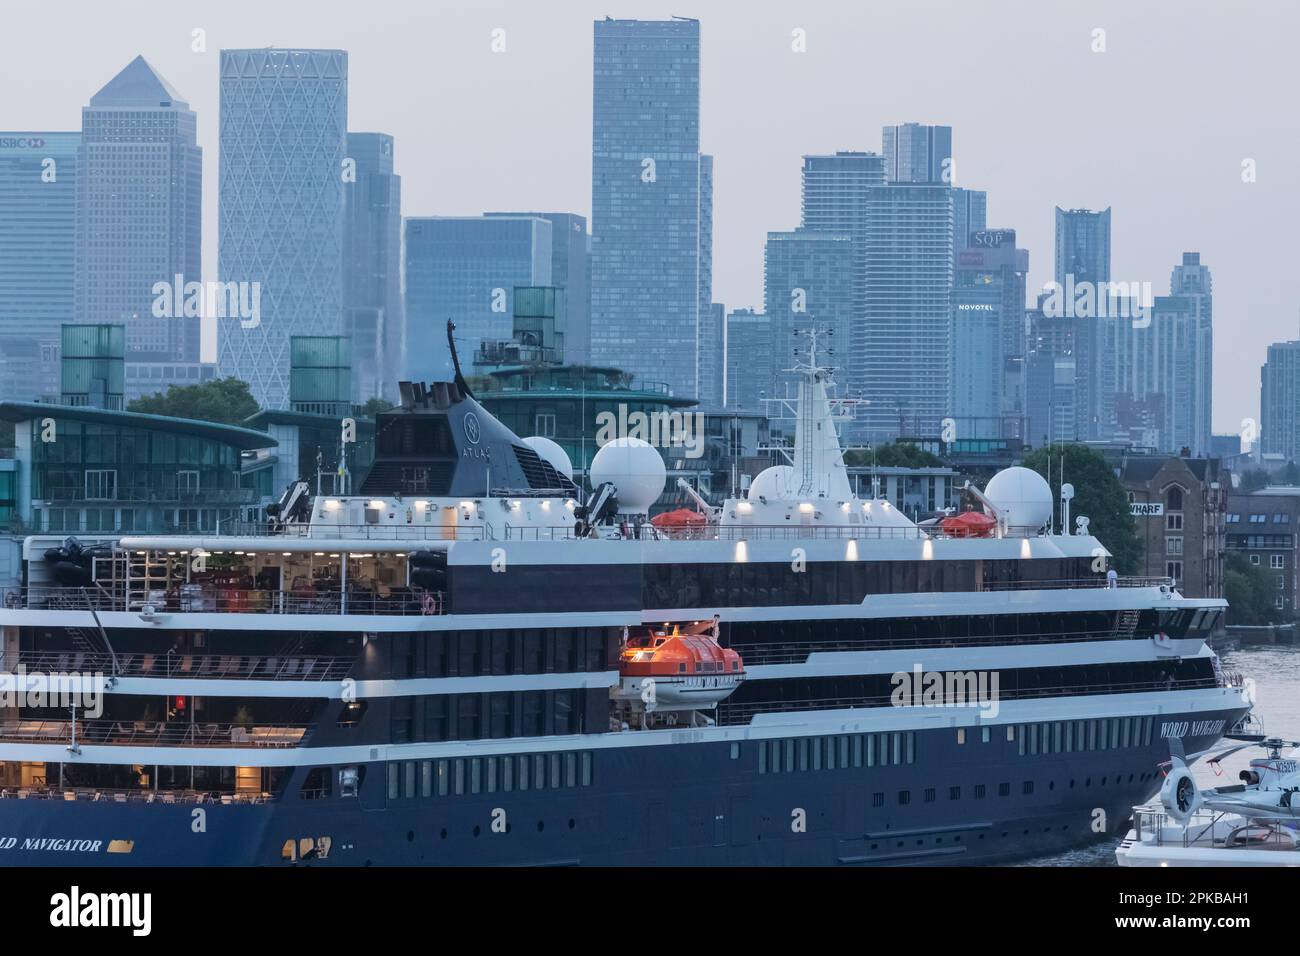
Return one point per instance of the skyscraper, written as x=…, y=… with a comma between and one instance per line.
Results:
x=648, y=196
x=38, y=245
x=899, y=358
x=372, y=266
x=808, y=282
x=918, y=154
x=969, y=214
x=284, y=120
x=1279, y=401
x=139, y=213
x=1082, y=245
x=1163, y=369
x=988, y=320
x=570, y=271
x=713, y=335
x=466, y=269
x=749, y=360
x=1083, y=257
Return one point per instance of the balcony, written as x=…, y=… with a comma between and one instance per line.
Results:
x=193, y=666
x=145, y=733
x=201, y=599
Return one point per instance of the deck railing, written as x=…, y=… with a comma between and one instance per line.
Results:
x=198, y=666
x=109, y=795
x=197, y=598
x=127, y=733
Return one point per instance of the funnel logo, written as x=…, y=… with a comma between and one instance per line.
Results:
x=472, y=431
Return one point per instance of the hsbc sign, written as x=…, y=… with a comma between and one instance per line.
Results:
x=22, y=142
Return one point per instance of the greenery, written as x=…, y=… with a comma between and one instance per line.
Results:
x=1250, y=591
x=894, y=455
x=374, y=406
x=1097, y=494
x=224, y=400
x=1253, y=479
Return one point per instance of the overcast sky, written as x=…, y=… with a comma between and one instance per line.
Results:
x=1157, y=126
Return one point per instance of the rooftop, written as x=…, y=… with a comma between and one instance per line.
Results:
x=245, y=439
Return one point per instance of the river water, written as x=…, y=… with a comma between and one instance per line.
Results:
x=1276, y=672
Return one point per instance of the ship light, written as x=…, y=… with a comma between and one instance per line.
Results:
x=1024, y=548
x=515, y=505
x=844, y=506
x=320, y=554
x=744, y=507
x=332, y=504
x=286, y=554
x=570, y=504
x=421, y=505
x=546, y=506
x=377, y=505
x=805, y=507
x=851, y=550
x=742, y=551
x=927, y=550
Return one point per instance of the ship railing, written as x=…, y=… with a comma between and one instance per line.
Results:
x=202, y=598
x=112, y=795
x=729, y=713
x=408, y=531
x=125, y=733
x=1231, y=678
x=1097, y=581
x=796, y=652
x=195, y=666
x=1204, y=827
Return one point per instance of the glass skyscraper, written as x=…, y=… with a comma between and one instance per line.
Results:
x=917, y=154
x=649, y=193
x=466, y=269
x=808, y=282
x=38, y=241
x=1082, y=245
x=139, y=212
x=284, y=120
x=570, y=271
x=900, y=354
x=750, y=361
x=372, y=267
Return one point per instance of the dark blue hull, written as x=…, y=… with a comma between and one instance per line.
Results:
x=963, y=803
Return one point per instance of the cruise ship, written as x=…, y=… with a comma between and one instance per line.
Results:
x=473, y=661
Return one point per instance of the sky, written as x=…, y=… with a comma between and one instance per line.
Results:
x=1157, y=126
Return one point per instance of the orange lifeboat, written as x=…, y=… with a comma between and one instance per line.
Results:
x=678, y=668
x=969, y=524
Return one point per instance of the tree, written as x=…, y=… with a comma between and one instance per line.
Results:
x=224, y=400
x=1097, y=494
x=1253, y=479
x=374, y=406
x=1250, y=591
x=1291, y=475
x=894, y=455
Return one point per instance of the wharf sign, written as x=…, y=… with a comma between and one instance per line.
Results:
x=1146, y=509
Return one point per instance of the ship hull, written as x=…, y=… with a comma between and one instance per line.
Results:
x=677, y=804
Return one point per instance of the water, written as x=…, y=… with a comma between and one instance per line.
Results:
x=1276, y=672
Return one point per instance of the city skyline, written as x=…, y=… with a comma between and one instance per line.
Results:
x=1138, y=132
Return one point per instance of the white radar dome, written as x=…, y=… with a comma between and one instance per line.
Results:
x=1022, y=496
x=633, y=467
x=551, y=453
x=775, y=484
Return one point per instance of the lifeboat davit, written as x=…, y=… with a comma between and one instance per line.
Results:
x=969, y=524
x=678, y=668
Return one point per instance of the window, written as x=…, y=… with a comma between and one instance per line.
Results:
x=544, y=425
x=1173, y=545
x=1233, y=519
x=1281, y=518
x=1174, y=499
x=101, y=485
x=1277, y=561
x=1258, y=519
x=1174, y=569
x=1254, y=559
x=1174, y=522
x=187, y=482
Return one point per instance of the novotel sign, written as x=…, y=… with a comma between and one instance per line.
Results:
x=22, y=142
